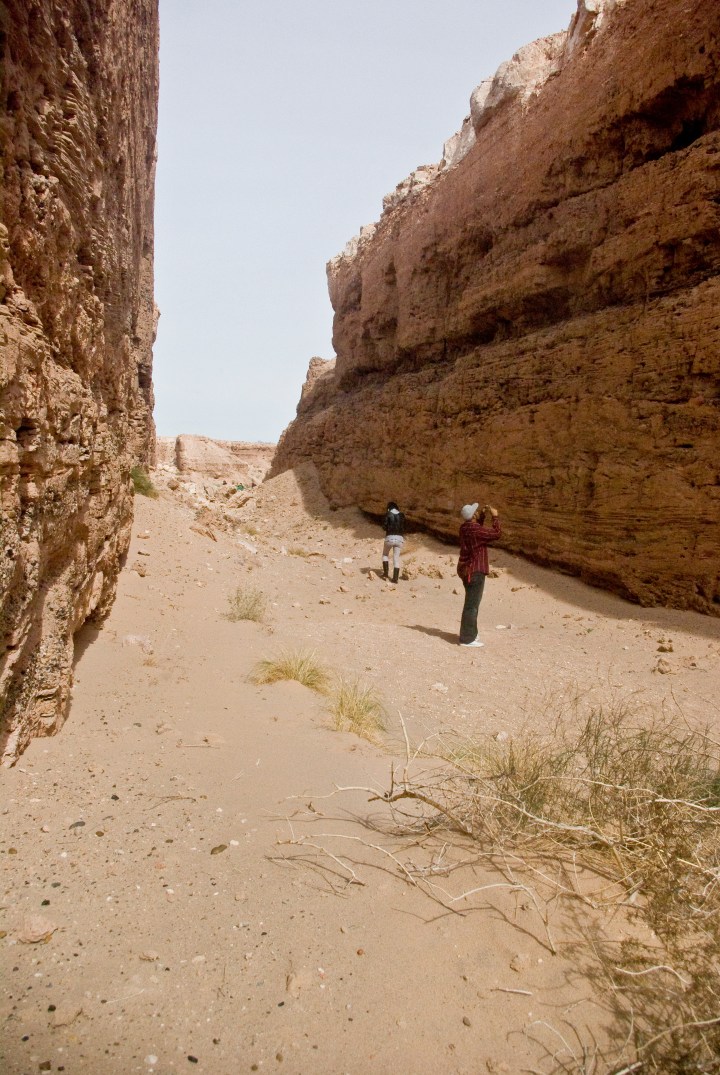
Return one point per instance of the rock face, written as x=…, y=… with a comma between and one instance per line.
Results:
x=202, y=457
x=538, y=326
x=77, y=323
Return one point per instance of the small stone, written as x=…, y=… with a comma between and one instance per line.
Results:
x=36, y=930
x=466, y=1021
x=218, y=850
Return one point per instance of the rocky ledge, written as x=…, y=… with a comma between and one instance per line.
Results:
x=534, y=320
x=202, y=457
x=77, y=323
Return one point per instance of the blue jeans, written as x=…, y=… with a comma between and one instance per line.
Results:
x=473, y=597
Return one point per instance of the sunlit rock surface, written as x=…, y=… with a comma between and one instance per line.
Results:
x=203, y=457
x=77, y=323
x=538, y=325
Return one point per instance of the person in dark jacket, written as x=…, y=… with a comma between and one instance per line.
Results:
x=473, y=567
x=394, y=524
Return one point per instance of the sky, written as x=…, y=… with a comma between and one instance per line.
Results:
x=283, y=123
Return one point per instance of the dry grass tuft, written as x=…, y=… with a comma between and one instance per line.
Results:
x=142, y=483
x=296, y=550
x=301, y=667
x=636, y=800
x=246, y=604
x=358, y=709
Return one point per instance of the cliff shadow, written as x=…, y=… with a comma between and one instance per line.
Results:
x=556, y=583
x=595, y=600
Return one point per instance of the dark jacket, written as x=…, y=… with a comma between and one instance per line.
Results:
x=394, y=522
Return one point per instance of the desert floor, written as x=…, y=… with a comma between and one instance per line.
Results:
x=210, y=901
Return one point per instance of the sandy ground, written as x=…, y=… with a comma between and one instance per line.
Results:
x=176, y=839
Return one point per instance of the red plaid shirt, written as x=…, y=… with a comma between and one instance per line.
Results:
x=474, y=540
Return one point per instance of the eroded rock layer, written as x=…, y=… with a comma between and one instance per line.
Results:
x=203, y=457
x=77, y=323
x=538, y=326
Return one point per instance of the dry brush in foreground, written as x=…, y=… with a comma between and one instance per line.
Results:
x=628, y=800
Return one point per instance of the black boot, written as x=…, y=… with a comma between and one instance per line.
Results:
x=385, y=569
x=396, y=574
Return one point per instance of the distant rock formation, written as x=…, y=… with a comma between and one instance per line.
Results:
x=236, y=461
x=534, y=321
x=77, y=323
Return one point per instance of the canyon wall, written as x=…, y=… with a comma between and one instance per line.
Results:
x=79, y=92
x=202, y=457
x=534, y=321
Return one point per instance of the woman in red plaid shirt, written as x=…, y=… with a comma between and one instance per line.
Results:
x=473, y=566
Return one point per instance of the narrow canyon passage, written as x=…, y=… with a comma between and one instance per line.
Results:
x=211, y=902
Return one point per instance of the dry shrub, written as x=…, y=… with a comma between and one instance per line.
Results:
x=142, y=483
x=358, y=709
x=299, y=666
x=296, y=550
x=636, y=799
x=246, y=604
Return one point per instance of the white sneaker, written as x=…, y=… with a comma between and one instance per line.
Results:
x=477, y=643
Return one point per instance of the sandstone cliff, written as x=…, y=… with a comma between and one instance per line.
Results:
x=203, y=457
x=535, y=320
x=77, y=323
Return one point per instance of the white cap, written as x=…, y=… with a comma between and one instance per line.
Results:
x=468, y=511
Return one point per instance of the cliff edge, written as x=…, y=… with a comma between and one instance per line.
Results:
x=77, y=324
x=533, y=321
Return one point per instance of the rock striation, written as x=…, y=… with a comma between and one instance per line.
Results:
x=203, y=457
x=537, y=323
x=77, y=324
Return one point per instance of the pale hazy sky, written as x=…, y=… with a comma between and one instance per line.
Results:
x=282, y=125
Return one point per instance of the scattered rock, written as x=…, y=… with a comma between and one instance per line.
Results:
x=36, y=930
x=142, y=641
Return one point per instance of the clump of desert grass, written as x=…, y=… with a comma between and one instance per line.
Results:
x=301, y=666
x=297, y=550
x=358, y=709
x=634, y=799
x=246, y=603
x=142, y=483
